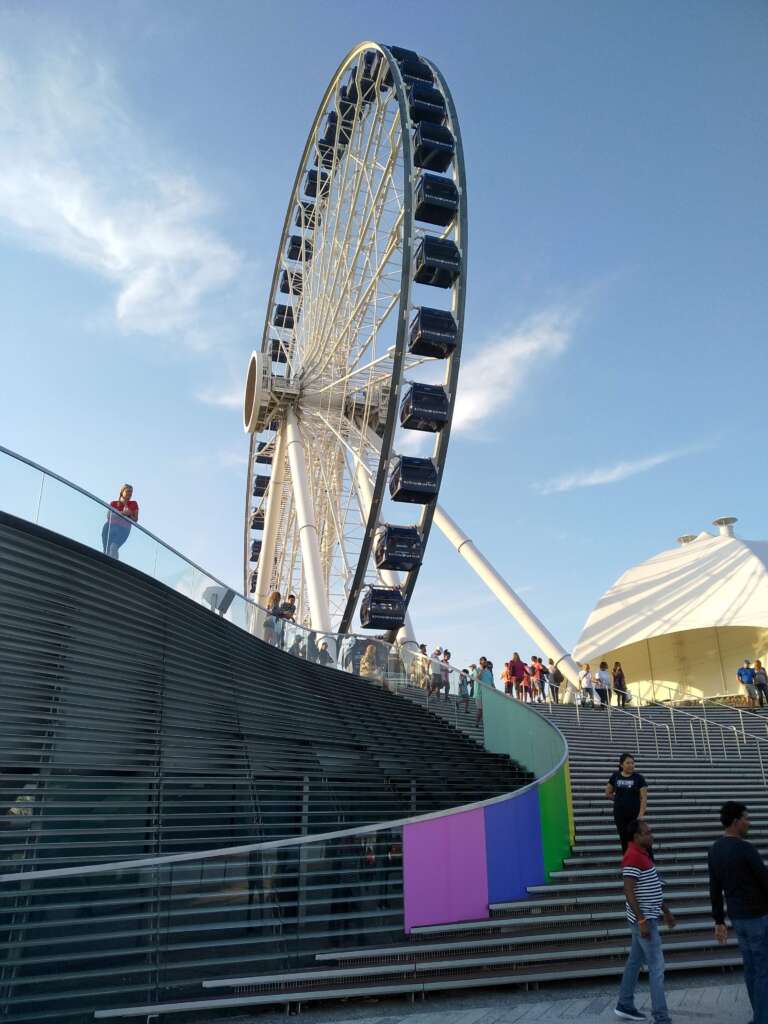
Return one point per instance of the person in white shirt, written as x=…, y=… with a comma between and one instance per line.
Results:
x=587, y=685
x=604, y=683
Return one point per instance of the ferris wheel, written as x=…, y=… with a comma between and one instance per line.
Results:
x=349, y=399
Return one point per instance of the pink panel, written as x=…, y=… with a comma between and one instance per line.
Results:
x=445, y=875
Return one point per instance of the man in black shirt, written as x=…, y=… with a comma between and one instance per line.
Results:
x=737, y=869
x=629, y=792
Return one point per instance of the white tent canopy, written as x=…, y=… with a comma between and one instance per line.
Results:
x=709, y=583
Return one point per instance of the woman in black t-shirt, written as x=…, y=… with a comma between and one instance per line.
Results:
x=629, y=792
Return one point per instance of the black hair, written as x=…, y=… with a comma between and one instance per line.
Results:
x=731, y=811
x=623, y=757
x=632, y=828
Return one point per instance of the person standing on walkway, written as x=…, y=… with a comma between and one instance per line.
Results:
x=738, y=870
x=115, y=531
x=619, y=684
x=629, y=792
x=761, y=682
x=746, y=676
x=645, y=905
x=556, y=677
x=604, y=684
x=587, y=685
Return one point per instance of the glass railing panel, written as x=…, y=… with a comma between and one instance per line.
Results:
x=20, y=488
x=73, y=514
x=142, y=935
x=175, y=572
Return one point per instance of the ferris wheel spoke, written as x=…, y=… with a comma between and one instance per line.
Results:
x=333, y=248
x=335, y=290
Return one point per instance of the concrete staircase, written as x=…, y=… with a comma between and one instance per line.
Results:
x=574, y=927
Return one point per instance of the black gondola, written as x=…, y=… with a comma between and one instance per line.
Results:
x=437, y=262
x=312, y=181
x=433, y=333
x=425, y=407
x=278, y=352
x=382, y=608
x=413, y=480
x=291, y=282
x=283, y=316
x=260, y=484
x=257, y=520
x=398, y=548
x=433, y=146
x=306, y=216
x=253, y=580
x=412, y=67
x=426, y=103
x=262, y=456
x=437, y=200
x=299, y=248
x=255, y=550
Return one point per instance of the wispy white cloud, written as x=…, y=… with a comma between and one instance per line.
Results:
x=233, y=460
x=80, y=180
x=502, y=367
x=610, y=474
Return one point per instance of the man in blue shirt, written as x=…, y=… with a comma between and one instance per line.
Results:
x=746, y=676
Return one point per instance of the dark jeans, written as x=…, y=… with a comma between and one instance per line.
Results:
x=554, y=692
x=621, y=698
x=621, y=824
x=752, y=933
x=113, y=536
x=762, y=693
x=602, y=693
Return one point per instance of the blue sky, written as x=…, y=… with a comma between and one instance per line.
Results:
x=613, y=380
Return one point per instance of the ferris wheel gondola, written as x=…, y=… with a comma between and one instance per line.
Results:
x=349, y=399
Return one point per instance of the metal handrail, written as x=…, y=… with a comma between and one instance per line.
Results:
x=670, y=704
x=637, y=720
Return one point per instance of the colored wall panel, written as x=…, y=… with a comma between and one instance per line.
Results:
x=514, y=849
x=445, y=876
x=555, y=825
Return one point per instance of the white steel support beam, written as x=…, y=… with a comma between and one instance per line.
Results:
x=535, y=629
x=388, y=577
x=305, y=517
x=271, y=521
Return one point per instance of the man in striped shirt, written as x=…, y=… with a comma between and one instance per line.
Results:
x=645, y=905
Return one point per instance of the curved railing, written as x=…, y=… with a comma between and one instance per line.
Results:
x=38, y=495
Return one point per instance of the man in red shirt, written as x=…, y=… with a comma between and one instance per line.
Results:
x=115, y=531
x=645, y=907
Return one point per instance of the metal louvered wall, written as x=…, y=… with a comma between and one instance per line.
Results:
x=133, y=723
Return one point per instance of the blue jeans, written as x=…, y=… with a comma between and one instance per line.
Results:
x=647, y=951
x=752, y=933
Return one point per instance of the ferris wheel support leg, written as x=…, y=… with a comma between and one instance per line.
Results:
x=271, y=522
x=305, y=519
x=364, y=490
x=535, y=629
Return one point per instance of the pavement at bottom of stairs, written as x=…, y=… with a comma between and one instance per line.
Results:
x=714, y=1000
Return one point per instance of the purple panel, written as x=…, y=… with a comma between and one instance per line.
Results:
x=445, y=877
x=514, y=847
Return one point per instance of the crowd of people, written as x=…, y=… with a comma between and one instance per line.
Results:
x=738, y=878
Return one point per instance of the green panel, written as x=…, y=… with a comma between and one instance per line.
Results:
x=513, y=729
x=555, y=824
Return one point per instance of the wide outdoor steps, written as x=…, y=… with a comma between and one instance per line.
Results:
x=574, y=927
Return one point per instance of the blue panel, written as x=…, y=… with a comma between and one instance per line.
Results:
x=514, y=851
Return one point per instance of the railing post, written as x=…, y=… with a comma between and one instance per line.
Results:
x=760, y=755
x=693, y=740
x=741, y=719
x=669, y=741
x=637, y=738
